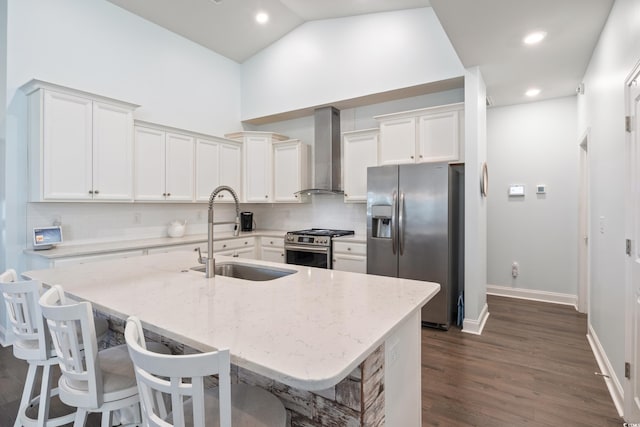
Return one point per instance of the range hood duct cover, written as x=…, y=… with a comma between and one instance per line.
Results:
x=327, y=155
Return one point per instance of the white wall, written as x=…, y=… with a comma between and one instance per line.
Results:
x=602, y=108
x=325, y=61
x=98, y=47
x=530, y=144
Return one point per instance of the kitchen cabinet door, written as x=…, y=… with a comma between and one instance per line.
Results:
x=359, y=151
x=438, y=139
x=112, y=152
x=231, y=170
x=207, y=168
x=149, y=164
x=179, y=167
x=272, y=254
x=290, y=170
x=67, y=147
x=398, y=141
x=258, y=178
x=217, y=163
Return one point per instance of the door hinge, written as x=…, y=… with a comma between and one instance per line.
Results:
x=627, y=370
x=628, y=247
x=627, y=123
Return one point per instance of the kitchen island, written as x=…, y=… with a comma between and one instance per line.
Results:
x=338, y=348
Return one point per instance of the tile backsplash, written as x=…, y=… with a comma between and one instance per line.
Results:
x=96, y=222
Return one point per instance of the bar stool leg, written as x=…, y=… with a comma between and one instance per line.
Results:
x=26, y=394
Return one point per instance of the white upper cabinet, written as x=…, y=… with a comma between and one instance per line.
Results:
x=398, y=141
x=164, y=164
x=218, y=162
x=80, y=145
x=290, y=170
x=425, y=135
x=257, y=164
x=257, y=172
x=359, y=151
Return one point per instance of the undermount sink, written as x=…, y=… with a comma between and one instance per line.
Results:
x=258, y=273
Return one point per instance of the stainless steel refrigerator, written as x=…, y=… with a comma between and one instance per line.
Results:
x=415, y=230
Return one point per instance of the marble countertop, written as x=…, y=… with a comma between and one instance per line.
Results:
x=308, y=330
x=70, y=250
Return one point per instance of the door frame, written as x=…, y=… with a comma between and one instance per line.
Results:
x=584, y=226
x=631, y=333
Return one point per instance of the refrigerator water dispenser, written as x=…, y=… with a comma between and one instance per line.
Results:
x=381, y=221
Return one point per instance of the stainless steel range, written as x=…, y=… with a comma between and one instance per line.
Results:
x=312, y=247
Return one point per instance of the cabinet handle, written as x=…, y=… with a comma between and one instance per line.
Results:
x=295, y=195
x=246, y=243
x=164, y=194
x=168, y=194
x=224, y=246
x=281, y=254
x=90, y=191
x=96, y=192
x=236, y=255
x=266, y=196
x=221, y=195
x=348, y=249
x=420, y=155
x=346, y=195
x=412, y=157
x=271, y=242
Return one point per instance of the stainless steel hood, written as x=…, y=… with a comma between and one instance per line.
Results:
x=327, y=157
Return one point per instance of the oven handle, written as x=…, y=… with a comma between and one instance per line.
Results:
x=306, y=249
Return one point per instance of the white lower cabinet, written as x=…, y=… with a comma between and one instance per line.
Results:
x=95, y=258
x=243, y=247
x=272, y=249
x=193, y=247
x=350, y=256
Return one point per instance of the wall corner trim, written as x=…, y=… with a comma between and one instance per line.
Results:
x=475, y=326
x=533, y=295
x=612, y=382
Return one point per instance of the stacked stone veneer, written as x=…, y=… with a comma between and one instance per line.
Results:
x=357, y=400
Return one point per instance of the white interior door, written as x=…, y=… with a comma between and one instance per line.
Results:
x=632, y=371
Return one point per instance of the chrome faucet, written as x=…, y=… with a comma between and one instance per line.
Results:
x=209, y=261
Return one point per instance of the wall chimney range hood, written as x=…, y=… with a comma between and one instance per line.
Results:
x=327, y=158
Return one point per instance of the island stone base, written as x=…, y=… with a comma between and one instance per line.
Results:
x=357, y=400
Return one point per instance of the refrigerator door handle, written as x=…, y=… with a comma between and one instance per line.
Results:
x=401, y=223
x=394, y=210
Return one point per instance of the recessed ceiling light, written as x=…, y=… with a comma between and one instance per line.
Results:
x=532, y=92
x=262, y=17
x=534, y=38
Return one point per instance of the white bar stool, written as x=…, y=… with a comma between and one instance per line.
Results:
x=92, y=381
x=179, y=380
x=32, y=344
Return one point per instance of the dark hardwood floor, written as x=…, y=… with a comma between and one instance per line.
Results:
x=531, y=366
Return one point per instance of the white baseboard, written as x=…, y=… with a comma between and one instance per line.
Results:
x=613, y=384
x=475, y=326
x=533, y=295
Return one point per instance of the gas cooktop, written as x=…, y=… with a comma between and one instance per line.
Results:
x=322, y=232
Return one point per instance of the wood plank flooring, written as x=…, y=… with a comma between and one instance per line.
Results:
x=531, y=366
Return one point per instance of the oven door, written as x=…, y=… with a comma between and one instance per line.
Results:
x=309, y=256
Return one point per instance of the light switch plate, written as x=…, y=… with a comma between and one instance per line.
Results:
x=541, y=189
x=516, y=190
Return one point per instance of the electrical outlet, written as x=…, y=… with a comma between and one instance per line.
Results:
x=515, y=269
x=137, y=218
x=57, y=220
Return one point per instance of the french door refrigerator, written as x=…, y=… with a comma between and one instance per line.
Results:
x=415, y=230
